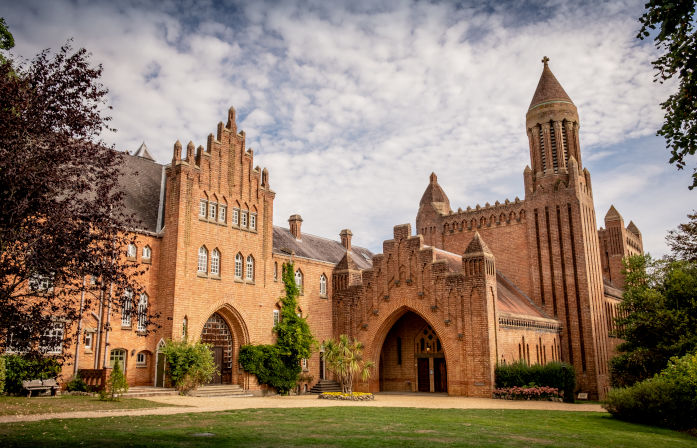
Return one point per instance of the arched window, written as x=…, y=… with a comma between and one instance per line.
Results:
x=118, y=355
x=147, y=252
x=127, y=308
x=323, y=285
x=238, y=266
x=142, y=312
x=299, y=279
x=132, y=251
x=250, y=267
x=215, y=262
x=203, y=259
x=275, y=271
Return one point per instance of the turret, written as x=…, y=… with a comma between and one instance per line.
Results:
x=434, y=204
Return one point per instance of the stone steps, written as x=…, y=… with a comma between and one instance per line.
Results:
x=325, y=386
x=148, y=391
x=225, y=390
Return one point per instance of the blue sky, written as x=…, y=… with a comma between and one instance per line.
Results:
x=351, y=106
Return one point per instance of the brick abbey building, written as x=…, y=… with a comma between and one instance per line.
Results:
x=532, y=279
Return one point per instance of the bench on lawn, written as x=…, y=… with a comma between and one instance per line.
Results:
x=40, y=385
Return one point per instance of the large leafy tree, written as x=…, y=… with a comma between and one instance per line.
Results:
x=658, y=317
x=62, y=223
x=683, y=240
x=673, y=27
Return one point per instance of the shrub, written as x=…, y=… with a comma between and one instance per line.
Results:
x=266, y=362
x=558, y=375
x=19, y=368
x=77, y=384
x=527, y=393
x=189, y=365
x=115, y=385
x=2, y=375
x=668, y=399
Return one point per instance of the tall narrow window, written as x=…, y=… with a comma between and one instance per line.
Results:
x=202, y=206
x=253, y=221
x=222, y=212
x=142, y=312
x=564, y=141
x=542, y=150
x=132, y=251
x=235, y=216
x=202, y=260
x=275, y=271
x=185, y=328
x=212, y=208
x=238, y=266
x=147, y=252
x=299, y=279
x=88, y=340
x=244, y=218
x=323, y=285
x=215, y=262
x=250, y=267
x=276, y=317
x=52, y=339
x=127, y=308
x=553, y=144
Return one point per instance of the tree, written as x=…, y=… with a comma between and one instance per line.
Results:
x=190, y=365
x=345, y=359
x=683, y=241
x=7, y=41
x=278, y=365
x=676, y=39
x=63, y=228
x=658, y=317
x=116, y=385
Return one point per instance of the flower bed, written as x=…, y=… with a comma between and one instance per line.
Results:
x=354, y=396
x=543, y=393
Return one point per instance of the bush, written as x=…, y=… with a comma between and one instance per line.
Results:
x=527, y=393
x=558, y=375
x=2, y=375
x=266, y=362
x=189, y=365
x=668, y=399
x=77, y=384
x=115, y=385
x=19, y=368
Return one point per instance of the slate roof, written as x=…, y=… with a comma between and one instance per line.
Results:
x=548, y=89
x=141, y=181
x=318, y=248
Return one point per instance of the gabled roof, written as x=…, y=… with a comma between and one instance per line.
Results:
x=477, y=246
x=613, y=214
x=633, y=228
x=318, y=248
x=141, y=181
x=143, y=152
x=548, y=88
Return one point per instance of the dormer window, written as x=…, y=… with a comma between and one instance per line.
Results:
x=253, y=221
x=202, y=207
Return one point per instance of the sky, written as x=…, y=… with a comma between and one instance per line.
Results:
x=351, y=105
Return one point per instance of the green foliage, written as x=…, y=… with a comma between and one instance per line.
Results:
x=19, y=368
x=668, y=399
x=6, y=39
x=345, y=358
x=189, y=365
x=77, y=384
x=559, y=375
x=683, y=240
x=677, y=40
x=116, y=385
x=278, y=365
x=658, y=318
x=2, y=375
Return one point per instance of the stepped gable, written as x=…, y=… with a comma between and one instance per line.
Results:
x=141, y=181
x=318, y=248
x=435, y=195
x=548, y=88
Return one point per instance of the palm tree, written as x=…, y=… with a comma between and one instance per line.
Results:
x=345, y=359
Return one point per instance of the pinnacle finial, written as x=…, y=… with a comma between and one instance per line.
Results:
x=433, y=178
x=545, y=60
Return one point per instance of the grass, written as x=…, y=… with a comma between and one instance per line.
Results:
x=67, y=403
x=347, y=426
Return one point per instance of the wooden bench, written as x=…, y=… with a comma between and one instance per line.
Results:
x=40, y=385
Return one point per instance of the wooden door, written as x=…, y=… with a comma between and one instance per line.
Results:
x=218, y=360
x=321, y=365
x=440, y=378
x=160, y=370
x=423, y=377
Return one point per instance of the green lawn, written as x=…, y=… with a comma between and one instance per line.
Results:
x=67, y=403
x=347, y=426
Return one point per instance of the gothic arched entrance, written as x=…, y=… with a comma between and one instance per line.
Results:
x=412, y=358
x=216, y=332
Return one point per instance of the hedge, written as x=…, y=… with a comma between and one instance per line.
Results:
x=18, y=369
x=558, y=375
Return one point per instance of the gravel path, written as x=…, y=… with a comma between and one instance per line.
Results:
x=213, y=404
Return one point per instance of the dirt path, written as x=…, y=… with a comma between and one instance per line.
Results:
x=212, y=404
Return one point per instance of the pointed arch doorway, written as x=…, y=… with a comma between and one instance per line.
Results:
x=216, y=332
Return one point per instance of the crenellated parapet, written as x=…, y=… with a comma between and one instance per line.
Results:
x=499, y=214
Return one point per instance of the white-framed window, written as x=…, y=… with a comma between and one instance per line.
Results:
x=253, y=221
x=132, y=251
x=222, y=213
x=212, y=208
x=127, y=308
x=238, y=266
x=275, y=271
x=185, y=328
x=250, y=267
x=215, y=262
x=52, y=339
x=235, y=216
x=323, y=285
x=244, y=218
x=147, y=252
x=142, y=359
x=142, y=312
x=303, y=363
x=202, y=259
x=89, y=337
x=118, y=355
x=41, y=283
x=202, y=207
x=299, y=279
x=276, y=317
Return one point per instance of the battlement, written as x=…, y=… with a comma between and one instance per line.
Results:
x=508, y=212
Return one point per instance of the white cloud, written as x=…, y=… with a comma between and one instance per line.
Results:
x=352, y=107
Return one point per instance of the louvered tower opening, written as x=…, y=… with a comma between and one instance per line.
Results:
x=542, y=150
x=564, y=142
x=553, y=142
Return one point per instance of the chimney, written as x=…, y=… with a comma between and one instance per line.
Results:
x=295, y=221
x=346, y=239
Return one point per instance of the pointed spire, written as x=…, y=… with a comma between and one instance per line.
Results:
x=548, y=88
x=477, y=246
x=435, y=195
x=633, y=228
x=612, y=214
x=143, y=152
